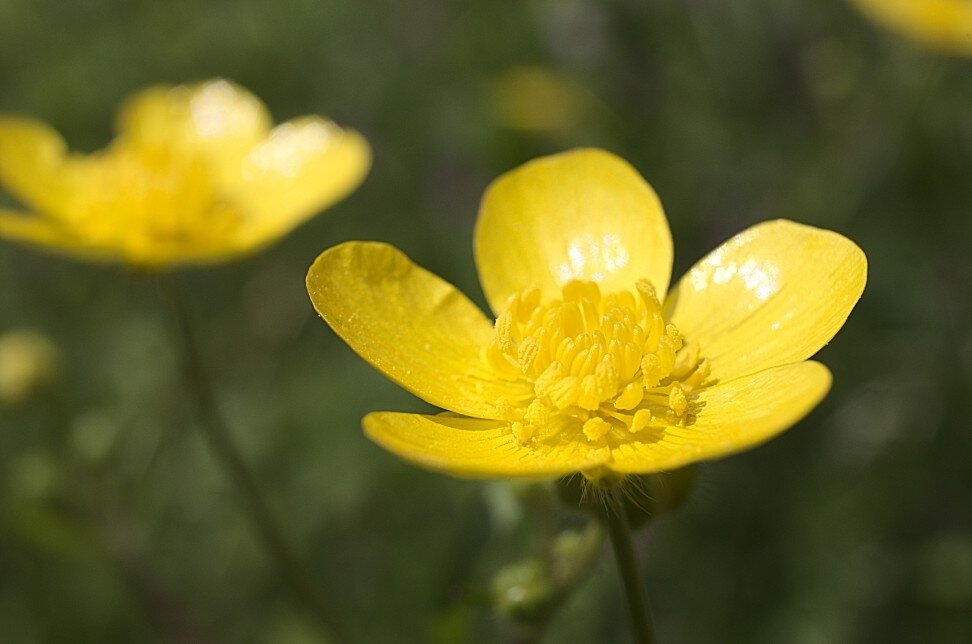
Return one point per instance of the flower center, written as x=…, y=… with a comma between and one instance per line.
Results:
x=151, y=201
x=602, y=363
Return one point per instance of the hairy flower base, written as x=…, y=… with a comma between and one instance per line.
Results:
x=607, y=366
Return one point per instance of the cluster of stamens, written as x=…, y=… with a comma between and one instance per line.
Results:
x=606, y=362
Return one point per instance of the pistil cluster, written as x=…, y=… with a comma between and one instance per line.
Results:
x=605, y=363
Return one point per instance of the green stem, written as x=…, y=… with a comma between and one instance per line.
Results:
x=619, y=530
x=224, y=448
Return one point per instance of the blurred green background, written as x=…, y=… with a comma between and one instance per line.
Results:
x=116, y=525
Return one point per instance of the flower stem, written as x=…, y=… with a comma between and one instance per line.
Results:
x=222, y=445
x=619, y=530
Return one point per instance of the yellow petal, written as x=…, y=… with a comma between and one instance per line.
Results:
x=943, y=24
x=730, y=418
x=216, y=120
x=33, y=165
x=473, y=447
x=583, y=214
x=53, y=235
x=774, y=294
x=409, y=324
x=303, y=166
x=42, y=231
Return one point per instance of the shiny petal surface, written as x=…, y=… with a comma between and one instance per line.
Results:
x=731, y=417
x=584, y=214
x=300, y=168
x=942, y=24
x=474, y=447
x=774, y=294
x=411, y=325
x=216, y=120
x=33, y=165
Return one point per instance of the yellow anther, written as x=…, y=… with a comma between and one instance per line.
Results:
x=580, y=290
x=570, y=319
x=648, y=294
x=651, y=370
x=565, y=351
x=590, y=397
x=630, y=397
x=677, y=400
x=564, y=392
x=606, y=373
x=581, y=364
x=596, y=428
x=674, y=336
x=631, y=362
x=550, y=376
x=537, y=413
x=522, y=432
x=527, y=303
x=527, y=352
x=504, y=329
x=504, y=409
x=586, y=361
x=639, y=421
x=657, y=366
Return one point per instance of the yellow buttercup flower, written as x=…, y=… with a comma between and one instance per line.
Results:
x=942, y=24
x=197, y=174
x=592, y=365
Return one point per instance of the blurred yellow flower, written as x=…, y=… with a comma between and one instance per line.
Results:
x=942, y=24
x=591, y=364
x=537, y=99
x=197, y=174
x=29, y=363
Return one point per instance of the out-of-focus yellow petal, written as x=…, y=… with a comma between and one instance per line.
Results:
x=303, y=166
x=216, y=120
x=943, y=24
x=580, y=215
x=33, y=165
x=477, y=448
x=773, y=294
x=48, y=233
x=411, y=325
x=730, y=418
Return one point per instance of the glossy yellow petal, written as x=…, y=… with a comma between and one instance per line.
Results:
x=34, y=166
x=943, y=24
x=303, y=166
x=730, y=418
x=411, y=325
x=584, y=214
x=774, y=294
x=216, y=120
x=477, y=448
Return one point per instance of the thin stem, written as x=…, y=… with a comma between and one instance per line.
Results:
x=619, y=530
x=224, y=448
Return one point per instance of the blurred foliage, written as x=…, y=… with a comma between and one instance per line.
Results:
x=855, y=526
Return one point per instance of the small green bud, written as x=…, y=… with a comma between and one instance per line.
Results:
x=523, y=591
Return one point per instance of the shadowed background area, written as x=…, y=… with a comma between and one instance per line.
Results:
x=116, y=524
